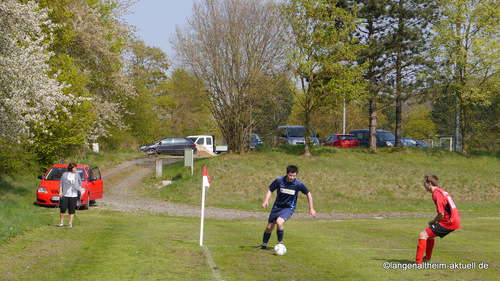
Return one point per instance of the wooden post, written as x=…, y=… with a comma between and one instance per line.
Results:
x=159, y=168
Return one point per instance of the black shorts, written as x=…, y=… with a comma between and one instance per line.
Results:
x=284, y=213
x=438, y=230
x=68, y=203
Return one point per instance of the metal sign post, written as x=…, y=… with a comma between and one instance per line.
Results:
x=188, y=158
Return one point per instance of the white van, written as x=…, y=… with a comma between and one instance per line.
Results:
x=208, y=142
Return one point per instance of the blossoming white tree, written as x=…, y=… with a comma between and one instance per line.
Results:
x=28, y=96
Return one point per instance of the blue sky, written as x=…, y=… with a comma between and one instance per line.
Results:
x=156, y=20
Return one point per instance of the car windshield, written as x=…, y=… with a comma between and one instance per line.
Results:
x=346, y=138
x=410, y=142
x=298, y=132
x=385, y=136
x=55, y=174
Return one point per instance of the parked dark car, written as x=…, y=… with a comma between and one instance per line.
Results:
x=384, y=138
x=341, y=140
x=255, y=141
x=411, y=142
x=170, y=146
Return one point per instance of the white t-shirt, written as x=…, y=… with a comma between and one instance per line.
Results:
x=70, y=192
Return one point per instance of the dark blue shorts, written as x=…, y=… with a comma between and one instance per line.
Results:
x=284, y=213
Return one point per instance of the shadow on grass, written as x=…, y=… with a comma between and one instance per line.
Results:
x=254, y=247
x=7, y=188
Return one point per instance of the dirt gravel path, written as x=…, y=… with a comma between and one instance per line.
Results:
x=120, y=195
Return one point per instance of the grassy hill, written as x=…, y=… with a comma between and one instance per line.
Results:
x=352, y=180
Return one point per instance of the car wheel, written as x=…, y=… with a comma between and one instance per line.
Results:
x=151, y=151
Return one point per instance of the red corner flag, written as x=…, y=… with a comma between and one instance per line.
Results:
x=206, y=178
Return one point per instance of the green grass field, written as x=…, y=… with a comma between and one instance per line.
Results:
x=105, y=245
x=116, y=246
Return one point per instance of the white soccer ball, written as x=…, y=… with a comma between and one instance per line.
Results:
x=280, y=249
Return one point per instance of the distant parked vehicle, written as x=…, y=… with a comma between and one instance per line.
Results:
x=170, y=146
x=295, y=135
x=411, y=142
x=422, y=143
x=48, y=190
x=341, y=140
x=255, y=141
x=208, y=141
x=384, y=138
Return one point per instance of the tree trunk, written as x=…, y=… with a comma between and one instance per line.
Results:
x=307, y=133
x=456, y=146
x=373, y=124
x=399, y=105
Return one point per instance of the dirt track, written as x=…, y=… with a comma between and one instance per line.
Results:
x=119, y=195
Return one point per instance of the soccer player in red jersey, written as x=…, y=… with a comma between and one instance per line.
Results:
x=446, y=221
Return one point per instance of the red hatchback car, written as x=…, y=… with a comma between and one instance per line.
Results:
x=92, y=185
x=344, y=140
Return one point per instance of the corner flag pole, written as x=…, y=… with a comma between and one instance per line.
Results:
x=206, y=185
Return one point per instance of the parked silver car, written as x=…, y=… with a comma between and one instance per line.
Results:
x=295, y=135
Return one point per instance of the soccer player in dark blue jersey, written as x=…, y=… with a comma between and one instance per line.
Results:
x=287, y=189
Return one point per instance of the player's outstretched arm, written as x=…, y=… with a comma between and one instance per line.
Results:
x=312, y=212
x=437, y=219
x=266, y=200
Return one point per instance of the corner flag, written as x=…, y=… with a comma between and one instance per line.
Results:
x=206, y=185
x=206, y=178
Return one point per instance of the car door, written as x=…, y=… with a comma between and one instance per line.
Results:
x=95, y=183
x=178, y=146
x=208, y=144
x=166, y=146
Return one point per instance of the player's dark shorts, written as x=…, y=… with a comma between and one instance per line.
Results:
x=284, y=213
x=68, y=203
x=437, y=230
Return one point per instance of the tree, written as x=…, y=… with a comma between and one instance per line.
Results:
x=229, y=45
x=188, y=106
x=274, y=106
x=29, y=96
x=89, y=44
x=322, y=55
x=466, y=45
x=371, y=31
x=419, y=123
x=406, y=48
x=97, y=48
x=147, y=69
